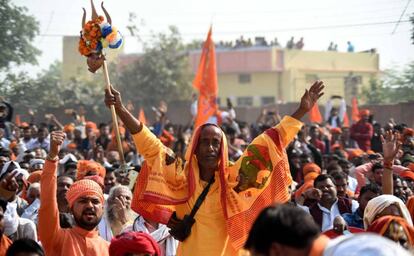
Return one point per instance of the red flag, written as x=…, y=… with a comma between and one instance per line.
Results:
x=314, y=114
x=141, y=116
x=205, y=82
x=355, y=111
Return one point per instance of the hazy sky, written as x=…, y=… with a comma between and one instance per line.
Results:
x=366, y=23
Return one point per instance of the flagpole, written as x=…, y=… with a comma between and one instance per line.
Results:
x=114, y=117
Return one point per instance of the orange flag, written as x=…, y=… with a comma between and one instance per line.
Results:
x=314, y=114
x=141, y=116
x=346, y=120
x=18, y=122
x=355, y=110
x=205, y=82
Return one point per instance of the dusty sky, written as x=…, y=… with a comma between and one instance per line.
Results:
x=367, y=24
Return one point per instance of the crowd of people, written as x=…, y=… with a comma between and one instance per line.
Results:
x=273, y=187
x=262, y=42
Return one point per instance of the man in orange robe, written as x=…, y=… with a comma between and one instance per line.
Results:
x=238, y=192
x=85, y=198
x=5, y=242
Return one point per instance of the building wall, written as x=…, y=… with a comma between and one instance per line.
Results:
x=263, y=84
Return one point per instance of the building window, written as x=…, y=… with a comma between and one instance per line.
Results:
x=245, y=78
x=244, y=101
x=268, y=100
x=311, y=78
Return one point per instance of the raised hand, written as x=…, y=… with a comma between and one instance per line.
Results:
x=311, y=96
x=390, y=146
x=56, y=140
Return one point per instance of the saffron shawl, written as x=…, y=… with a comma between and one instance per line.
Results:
x=259, y=178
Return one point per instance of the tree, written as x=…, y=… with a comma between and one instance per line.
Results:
x=394, y=87
x=161, y=73
x=412, y=29
x=18, y=31
x=375, y=93
x=47, y=91
x=400, y=83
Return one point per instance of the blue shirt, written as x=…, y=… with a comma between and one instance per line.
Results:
x=353, y=219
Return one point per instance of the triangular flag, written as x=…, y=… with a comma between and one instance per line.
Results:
x=141, y=116
x=346, y=120
x=355, y=110
x=205, y=82
x=314, y=114
x=18, y=121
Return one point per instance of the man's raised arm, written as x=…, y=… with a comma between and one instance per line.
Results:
x=113, y=97
x=308, y=100
x=146, y=142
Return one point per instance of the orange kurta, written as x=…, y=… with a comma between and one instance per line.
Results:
x=228, y=207
x=5, y=242
x=55, y=240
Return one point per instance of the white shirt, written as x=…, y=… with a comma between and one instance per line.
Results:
x=352, y=183
x=328, y=215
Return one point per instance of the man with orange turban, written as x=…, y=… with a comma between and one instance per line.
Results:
x=85, y=199
x=362, y=131
x=236, y=193
x=89, y=168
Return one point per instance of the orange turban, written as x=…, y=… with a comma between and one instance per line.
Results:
x=407, y=175
x=411, y=166
x=72, y=146
x=364, y=112
x=83, y=188
x=336, y=130
x=98, y=179
x=381, y=225
x=91, y=125
x=24, y=125
x=86, y=166
x=408, y=132
x=13, y=144
x=355, y=153
x=69, y=128
x=311, y=167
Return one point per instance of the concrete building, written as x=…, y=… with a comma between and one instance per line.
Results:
x=259, y=75
x=256, y=76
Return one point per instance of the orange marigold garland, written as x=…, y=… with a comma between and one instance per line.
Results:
x=97, y=34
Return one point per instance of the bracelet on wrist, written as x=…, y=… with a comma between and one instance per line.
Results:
x=388, y=165
x=53, y=159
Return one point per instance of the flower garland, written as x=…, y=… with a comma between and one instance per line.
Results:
x=96, y=35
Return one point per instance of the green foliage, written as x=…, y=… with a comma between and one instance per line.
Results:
x=376, y=93
x=18, y=31
x=47, y=91
x=396, y=86
x=412, y=29
x=160, y=73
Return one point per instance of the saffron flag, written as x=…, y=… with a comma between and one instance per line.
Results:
x=141, y=116
x=18, y=121
x=205, y=82
x=346, y=120
x=314, y=114
x=355, y=110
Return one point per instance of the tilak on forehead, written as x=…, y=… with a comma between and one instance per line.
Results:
x=96, y=35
